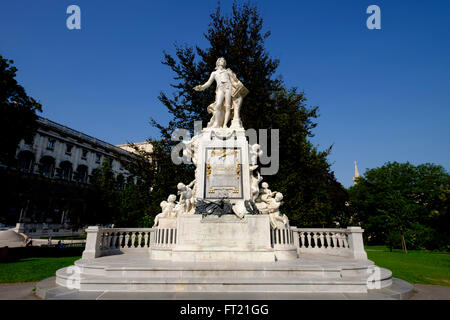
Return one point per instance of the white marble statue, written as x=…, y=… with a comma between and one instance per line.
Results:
x=186, y=200
x=254, y=182
x=277, y=219
x=229, y=94
x=254, y=152
x=167, y=209
x=190, y=149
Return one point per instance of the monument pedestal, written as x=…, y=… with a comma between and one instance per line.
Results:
x=226, y=238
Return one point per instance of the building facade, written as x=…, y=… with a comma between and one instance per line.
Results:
x=52, y=179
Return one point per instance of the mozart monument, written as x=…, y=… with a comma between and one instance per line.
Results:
x=225, y=231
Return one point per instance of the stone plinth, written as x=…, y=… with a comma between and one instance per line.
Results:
x=226, y=238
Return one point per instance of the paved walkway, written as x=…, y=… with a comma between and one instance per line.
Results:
x=431, y=292
x=18, y=291
x=24, y=291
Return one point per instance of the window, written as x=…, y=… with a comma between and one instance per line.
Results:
x=69, y=148
x=84, y=154
x=98, y=157
x=51, y=144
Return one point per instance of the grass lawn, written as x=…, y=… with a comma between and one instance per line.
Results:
x=33, y=269
x=417, y=266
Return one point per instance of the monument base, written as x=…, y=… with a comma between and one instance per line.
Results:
x=226, y=238
x=138, y=273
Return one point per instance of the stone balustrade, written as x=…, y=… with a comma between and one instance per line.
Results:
x=340, y=242
x=164, y=237
x=107, y=241
x=281, y=237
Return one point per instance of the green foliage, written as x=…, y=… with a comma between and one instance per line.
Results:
x=146, y=221
x=402, y=200
x=312, y=195
x=17, y=110
x=105, y=196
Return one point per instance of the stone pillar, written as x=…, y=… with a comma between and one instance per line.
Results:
x=92, y=249
x=296, y=239
x=20, y=227
x=355, y=241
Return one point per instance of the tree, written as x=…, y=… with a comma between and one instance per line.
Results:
x=105, y=195
x=400, y=203
x=154, y=173
x=18, y=112
x=312, y=195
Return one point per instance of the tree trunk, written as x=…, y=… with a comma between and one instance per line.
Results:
x=404, y=244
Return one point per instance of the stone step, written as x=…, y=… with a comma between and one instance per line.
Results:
x=217, y=284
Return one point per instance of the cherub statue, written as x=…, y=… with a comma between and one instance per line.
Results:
x=167, y=209
x=277, y=219
x=255, y=152
x=229, y=94
x=254, y=184
x=264, y=197
x=163, y=205
x=186, y=199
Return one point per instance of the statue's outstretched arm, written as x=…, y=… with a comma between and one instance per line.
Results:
x=205, y=85
x=191, y=184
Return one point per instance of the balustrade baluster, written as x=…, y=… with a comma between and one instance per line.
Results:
x=105, y=241
x=315, y=239
x=114, y=241
x=120, y=240
x=109, y=243
x=139, y=239
x=308, y=239
x=302, y=239
x=127, y=238
x=133, y=239
x=100, y=243
x=341, y=240
x=322, y=244
x=327, y=238
x=333, y=238
x=345, y=241
x=146, y=236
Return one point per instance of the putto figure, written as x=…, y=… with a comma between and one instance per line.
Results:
x=229, y=94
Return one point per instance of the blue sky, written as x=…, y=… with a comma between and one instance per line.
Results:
x=384, y=95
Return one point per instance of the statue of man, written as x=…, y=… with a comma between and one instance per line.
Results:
x=229, y=94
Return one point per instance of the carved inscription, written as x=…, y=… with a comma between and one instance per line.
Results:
x=223, y=178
